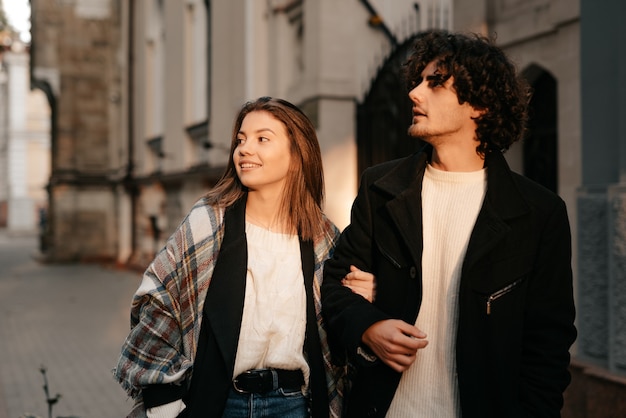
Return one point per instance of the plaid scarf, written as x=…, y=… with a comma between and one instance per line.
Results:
x=166, y=310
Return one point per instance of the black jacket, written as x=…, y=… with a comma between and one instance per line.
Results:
x=512, y=362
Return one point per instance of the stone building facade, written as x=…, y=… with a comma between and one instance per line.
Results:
x=75, y=61
x=143, y=94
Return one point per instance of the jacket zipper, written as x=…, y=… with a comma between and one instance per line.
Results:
x=500, y=293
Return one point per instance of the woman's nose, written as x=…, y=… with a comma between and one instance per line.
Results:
x=244, y=148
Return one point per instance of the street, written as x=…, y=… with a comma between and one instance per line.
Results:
x=70, y=319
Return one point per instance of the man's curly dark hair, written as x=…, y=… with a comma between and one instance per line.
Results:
x=483, y=77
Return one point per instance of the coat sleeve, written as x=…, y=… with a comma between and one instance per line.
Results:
x=549, y=331
x=152, y=353
x=347, y=314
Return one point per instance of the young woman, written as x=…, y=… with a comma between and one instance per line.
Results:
x=227, y=318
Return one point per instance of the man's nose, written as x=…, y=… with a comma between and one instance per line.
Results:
x=416, y=94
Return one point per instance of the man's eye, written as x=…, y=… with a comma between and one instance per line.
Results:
x=435, y=80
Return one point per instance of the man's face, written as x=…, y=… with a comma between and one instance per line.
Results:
x=437, y=114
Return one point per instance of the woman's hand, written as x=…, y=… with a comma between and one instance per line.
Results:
x=361, y=283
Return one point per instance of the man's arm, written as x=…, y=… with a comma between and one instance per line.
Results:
x=348, y=315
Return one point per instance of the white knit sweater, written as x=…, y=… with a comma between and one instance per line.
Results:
x=450, y=205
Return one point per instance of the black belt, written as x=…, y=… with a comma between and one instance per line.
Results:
x=266, y=380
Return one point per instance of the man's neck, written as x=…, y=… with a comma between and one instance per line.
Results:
x=447, y=157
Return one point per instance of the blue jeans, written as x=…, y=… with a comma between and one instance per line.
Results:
x=277, y=403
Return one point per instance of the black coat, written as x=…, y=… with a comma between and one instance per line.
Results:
x=512, y=362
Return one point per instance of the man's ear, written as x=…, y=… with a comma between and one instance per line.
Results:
x=478, y=112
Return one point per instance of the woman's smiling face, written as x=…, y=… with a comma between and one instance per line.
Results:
x=262, y=155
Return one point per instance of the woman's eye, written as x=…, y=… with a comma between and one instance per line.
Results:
x=263, y=139
x=239, y=141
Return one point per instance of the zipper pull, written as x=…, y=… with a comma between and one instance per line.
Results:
x=489, y=306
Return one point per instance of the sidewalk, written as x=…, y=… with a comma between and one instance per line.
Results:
x=71, y=319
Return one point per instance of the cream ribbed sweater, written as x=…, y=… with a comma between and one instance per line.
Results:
x=450, y=205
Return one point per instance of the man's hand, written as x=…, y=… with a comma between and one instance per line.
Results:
x=361, y=283
x=395, y=342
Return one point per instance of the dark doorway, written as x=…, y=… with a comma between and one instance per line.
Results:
x=540, y=158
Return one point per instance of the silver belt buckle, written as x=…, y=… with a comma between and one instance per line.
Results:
x=235, y=381
x=260, y=375
x=237, y=387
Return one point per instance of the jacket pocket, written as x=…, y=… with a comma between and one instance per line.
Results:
x=491, y=298
x=386, y=254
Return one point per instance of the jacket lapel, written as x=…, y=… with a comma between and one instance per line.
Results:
x=488, y=231
x=226, y=294
x=503, y=202
x=405, y=183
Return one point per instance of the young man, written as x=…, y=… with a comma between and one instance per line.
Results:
x=474, y=312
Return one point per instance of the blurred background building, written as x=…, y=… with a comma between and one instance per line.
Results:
x=24, y=139
x=141, y=96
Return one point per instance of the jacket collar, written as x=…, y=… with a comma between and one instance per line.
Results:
x=502, y=191
x=407, y=174
x=503, y=201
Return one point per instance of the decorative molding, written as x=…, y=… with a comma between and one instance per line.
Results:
x=156, y=146
x=199, y=132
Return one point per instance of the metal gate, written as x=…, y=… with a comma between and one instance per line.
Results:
x=385, y=114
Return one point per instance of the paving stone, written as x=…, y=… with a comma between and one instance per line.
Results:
x=71, y=319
